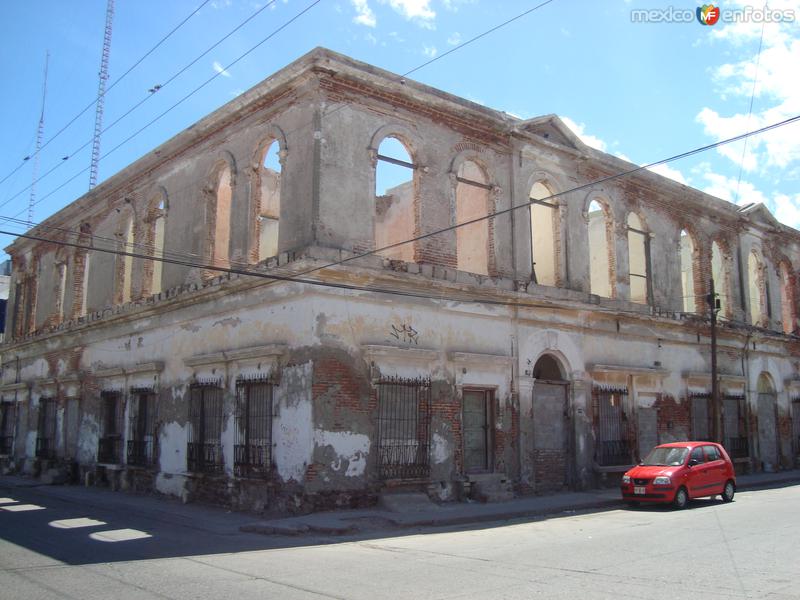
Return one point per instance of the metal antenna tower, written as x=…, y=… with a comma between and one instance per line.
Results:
x=101, y=93
x=39, y=136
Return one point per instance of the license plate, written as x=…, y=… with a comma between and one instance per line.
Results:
x=639, y=490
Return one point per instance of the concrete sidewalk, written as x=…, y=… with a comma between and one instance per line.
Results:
x=344, y=522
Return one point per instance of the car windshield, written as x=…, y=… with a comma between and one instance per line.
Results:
x=663, y=457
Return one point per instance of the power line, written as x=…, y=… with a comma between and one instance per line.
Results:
x=116, y=81
x=171, y=108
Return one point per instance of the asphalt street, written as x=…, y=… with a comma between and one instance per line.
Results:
x=62, y=543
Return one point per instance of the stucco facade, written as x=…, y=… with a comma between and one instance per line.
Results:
x=267, y=358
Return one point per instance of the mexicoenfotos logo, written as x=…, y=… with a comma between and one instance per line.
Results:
x=708, y=14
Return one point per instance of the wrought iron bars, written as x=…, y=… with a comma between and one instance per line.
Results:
x=252, y=445
x=46, y=432
x=404, y=428
x=142, y=434
x=612, y=438
x=204, y=450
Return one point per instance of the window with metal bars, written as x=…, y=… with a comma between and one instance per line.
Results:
x=613, y=440
x=7, y=421
x=735, y=426
x=796, y=425
x=204, y=449
x=404, y=428
x=142, y=435
x=46, y=432
x=252, y=445
x=702, y=415
x=109, y=449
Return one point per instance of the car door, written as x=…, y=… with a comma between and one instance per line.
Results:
x=715, y=470
x=696, y=474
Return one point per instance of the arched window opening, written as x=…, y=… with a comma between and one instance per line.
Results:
x=394, y=200
x=719, y=272
x=754, y=288
x=127, y=260
x=472, y=202
x=61, y=274
x=269, y=209
x=599, y=264
x=547, y=368
x=83, y=266
x=788, y=309
x=159, y=224
x=222, y=222
x=638, y=260
x=687, y=272
x=544, y=235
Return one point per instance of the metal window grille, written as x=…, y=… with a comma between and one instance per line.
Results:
x=46, y=432
x=702, y=416
x=252, y=445
x=109, y=449
x=735, y=426
x=204, y=450
x=613, y=440
x=404, y=428
x=796, y=425
x=6, y=427
x=142, y=434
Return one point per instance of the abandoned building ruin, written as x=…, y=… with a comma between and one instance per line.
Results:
x=268, y=359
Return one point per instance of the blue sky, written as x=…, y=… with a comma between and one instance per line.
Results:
x=642, y=91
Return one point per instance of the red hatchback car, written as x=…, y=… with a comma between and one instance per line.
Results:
x=677, y=472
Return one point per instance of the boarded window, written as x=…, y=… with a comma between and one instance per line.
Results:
x=253, y=428
x=109, y=448
x=269, y=205
x=599, y=250
x=394, y=200
x=638, y=260
x=142, y=434
x=46, y=430
x=545, y=223
x=404, y=428
x=472, y=202
x=204, y=449
x=613, y=440
x=687, y=273
x=754, y=287
x=719, y=271
x=702, y=414
x=222, y=222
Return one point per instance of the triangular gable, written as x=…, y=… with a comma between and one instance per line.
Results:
x=759, y=213
x=552, y=129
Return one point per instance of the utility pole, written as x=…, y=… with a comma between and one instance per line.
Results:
x=101, y=93
x=713, y=304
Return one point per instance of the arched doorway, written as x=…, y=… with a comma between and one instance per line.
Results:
x=550, y=426
x=767, y=424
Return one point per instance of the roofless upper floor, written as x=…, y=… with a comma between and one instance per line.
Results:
x=333, y=153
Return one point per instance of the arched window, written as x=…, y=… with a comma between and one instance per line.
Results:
x=158, y=247
x=127, y=260
x=788, y=307
x=719, y=271
x=472, y=202
x=600, y=275
x=755, y=285
x=222, y=221
x=687, y=272
x=544, y=235
x=394, y=200
x=638, y=260
x=269, y=206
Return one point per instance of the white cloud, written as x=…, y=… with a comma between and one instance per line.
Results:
x=454, y=5
x=364, y=15
x=418, y=11
x=454, y=39
x=429, y=51
x=218, y=4
x=371, y=38
x=732, y=190
x=787, y=210
x=579, y=129
x=220, y=69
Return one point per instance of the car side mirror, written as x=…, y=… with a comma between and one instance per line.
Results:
x=694, y=462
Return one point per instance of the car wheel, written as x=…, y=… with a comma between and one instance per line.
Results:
x=681, y=499
x=728, y=492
